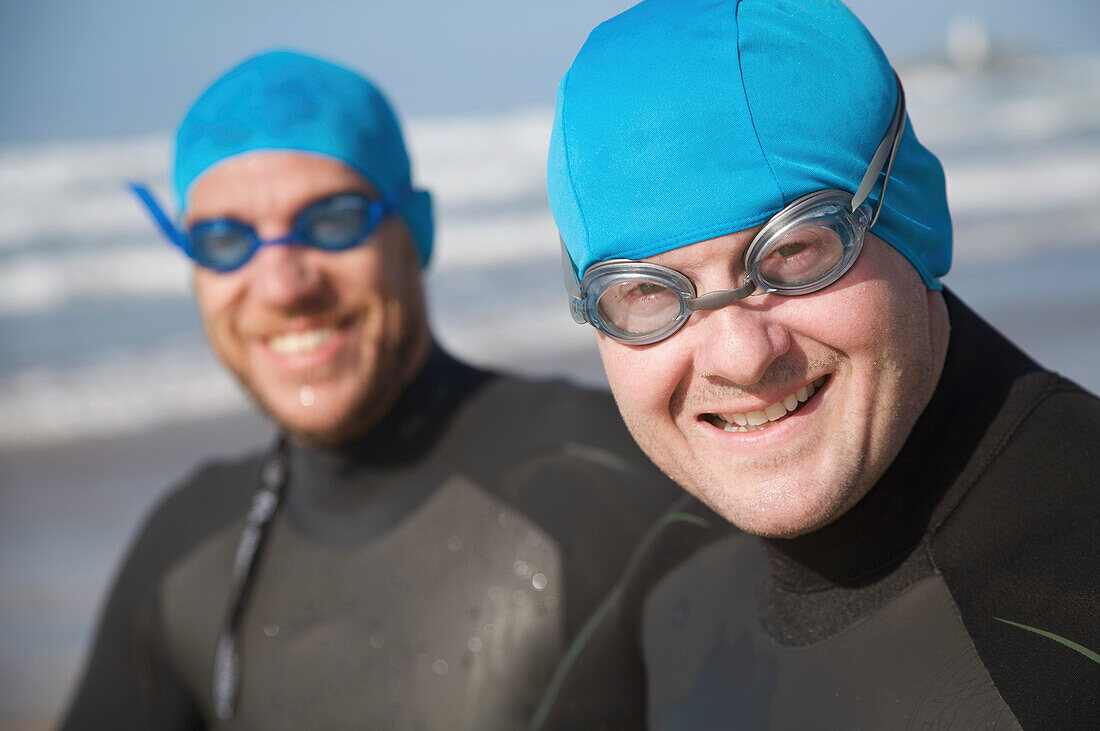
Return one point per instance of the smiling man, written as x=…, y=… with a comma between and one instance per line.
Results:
x=423, y=538
x=891, y=508
x=324, y=340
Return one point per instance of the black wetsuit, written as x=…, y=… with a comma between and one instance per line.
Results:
x=427, y=576
x=910, y=611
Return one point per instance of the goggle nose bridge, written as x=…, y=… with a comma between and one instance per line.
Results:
x=721, y=298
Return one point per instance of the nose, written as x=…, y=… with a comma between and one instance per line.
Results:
x=737, y=343
x=285, y=275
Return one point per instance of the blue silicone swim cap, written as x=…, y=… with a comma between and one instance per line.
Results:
x=284, y=100
x=684, y=120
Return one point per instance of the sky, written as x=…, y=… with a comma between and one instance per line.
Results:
x=80, y=69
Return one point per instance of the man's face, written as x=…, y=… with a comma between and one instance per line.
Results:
x=324, y=341
x=873, y=342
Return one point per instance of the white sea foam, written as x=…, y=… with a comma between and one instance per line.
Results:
x=34, y=282
x=121, y=392
x=1016, y=101
x=487, y=159
x=74, y=191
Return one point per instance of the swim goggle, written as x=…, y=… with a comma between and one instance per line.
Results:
x=334, y=223
x=803, y=248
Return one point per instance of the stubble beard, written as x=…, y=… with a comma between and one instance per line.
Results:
x=386, y=379
x=767, y=494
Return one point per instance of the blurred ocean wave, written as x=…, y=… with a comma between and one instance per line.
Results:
x=100, y=332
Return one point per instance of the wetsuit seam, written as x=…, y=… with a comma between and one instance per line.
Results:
x=604, y=608
x=956, y=610
x=847, y=629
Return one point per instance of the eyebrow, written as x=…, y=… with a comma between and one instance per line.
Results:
x=350, y=189
x=692, y=268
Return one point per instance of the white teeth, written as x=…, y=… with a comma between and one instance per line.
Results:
x=776, y=411
x=304, y=341
x=737, y=419
x=754, y=420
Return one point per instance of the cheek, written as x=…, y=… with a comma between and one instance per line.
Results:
x=893, y=317
x=380, y=271
x=642, y=380
x=215, y=295
x=872, y=311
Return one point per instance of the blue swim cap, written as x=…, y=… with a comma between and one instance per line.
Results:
x=284, y=100
x=684, y=120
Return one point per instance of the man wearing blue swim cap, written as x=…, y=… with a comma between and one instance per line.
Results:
x=411, y=552
x=889, y=503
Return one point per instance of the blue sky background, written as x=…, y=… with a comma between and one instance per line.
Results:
x=78, y=69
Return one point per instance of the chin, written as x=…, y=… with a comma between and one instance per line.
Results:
x=780, y=510
x=320, y=423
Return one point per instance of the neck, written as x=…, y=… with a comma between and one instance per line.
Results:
x=416, y=417
x=350, y=493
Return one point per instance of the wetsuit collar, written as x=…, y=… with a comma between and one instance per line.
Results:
x=352, y=493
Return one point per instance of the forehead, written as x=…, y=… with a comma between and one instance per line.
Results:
x=718, y=251
x=271, y=180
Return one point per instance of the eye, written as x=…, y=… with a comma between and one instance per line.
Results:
x=637, y=295
x=802, y=257
x=222, y=244
x=639, y=306
x=790, y=249
x=649, y=288
x=337, y=222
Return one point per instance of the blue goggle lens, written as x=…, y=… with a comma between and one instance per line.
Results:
x=223, y=244
x=339, y=222
x=333, y=224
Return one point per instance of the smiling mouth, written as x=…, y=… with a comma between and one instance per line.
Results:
x=773, y=413
x=302, y=341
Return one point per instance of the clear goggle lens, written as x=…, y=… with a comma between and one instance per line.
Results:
x=639, y=305
x=808, y=253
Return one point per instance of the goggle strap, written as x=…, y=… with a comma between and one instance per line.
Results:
x=883, y=158
x=169, y=229
x=900, y=121
x=572, y=286
x=568, y=275
x=395, y=199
